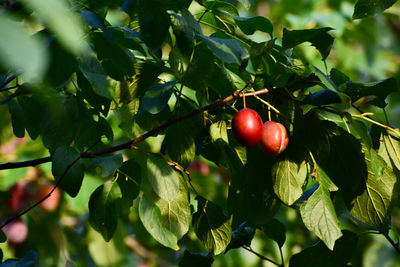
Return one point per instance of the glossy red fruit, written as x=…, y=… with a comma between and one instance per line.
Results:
x=247, y=127
x=274, y=138
x=16, y=232
x=20, y=197
x=51, y=203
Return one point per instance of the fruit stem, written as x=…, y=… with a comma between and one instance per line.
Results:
x=244, y=100
x=268, y=104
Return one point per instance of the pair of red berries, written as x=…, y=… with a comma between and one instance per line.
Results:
x=249, y=130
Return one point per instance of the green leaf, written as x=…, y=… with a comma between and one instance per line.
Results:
x=107, y=164
x=212, y=227
x=156, y=97
x=3, y=237
x=114, y=59
x=154, y=22
x=361, y=129
x=151, y=217
x=180, y=144
x=21, y=52
x=103, y=213
x=17, y=118
x=346, y=101
x=338, y=77
x=129, y=179
x=249, y=25
x=317, y=37
x=323, y=97
x=389, y=150
x=218, y=131
x=163, y=178
x=275, y=230
x=320, y=255
x=94, y=73
x=242, y=236
x=318, y=212
x=379, y=89
x=62, y=158
x=373, y=205
x=288, y=178
x=176, y=213
x=30, y=259
x=60, y=19
x=228, y=50
x=367, y=8
x=190, y=259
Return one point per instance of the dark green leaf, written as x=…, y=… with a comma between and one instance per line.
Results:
x=378, y=89
x=275, y=230
x=361, y=129
x=373, y=205
x=94, y=73
x=154, y=22
x=3, y=237
x=156, y=97
x=366, y=8
x=338, y=77
x=150, y=215
x=17, y=118
x=212, y=227
x=323, y=97
x=249, y=25
x=163, y=178
x=228, y=50
x=180, y=144
x=30, y=259
x=62, y=158
x=129, y=179
x=320, y=255
x=103, y=213
x=242, y=236
x=317, y=37
x=108, y=164
x=191, y=259
x=92, y=19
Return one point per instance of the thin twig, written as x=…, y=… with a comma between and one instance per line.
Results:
x=8, y=80
x=261, y=256
x=395, y=245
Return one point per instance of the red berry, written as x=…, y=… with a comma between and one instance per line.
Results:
x=247, y=127
x=274, y=138
x=20, y=197
x=51, y=203
x=16, y=232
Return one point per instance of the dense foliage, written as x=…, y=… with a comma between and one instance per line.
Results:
x=117, y=142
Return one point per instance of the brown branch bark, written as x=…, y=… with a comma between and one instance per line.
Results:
x=129, y=144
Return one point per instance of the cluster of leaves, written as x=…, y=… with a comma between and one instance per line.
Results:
x=150, y=74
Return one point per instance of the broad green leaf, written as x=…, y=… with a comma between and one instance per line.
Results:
x=60, y=19
x=163, y=178
x=323, y=97
x=379, y=89
x=346, y=101
x=94, y=73
x=318, y=212
x=228, y=50
x=129, y=179
x=249, y=25
x=21, y=52
x=17, y=118
x=151, y=217
x=112, y=253
x=373, y=205
x=389, y=150
x=366, y=8
x=180, y=144
x=211, y=226
x=317, y=37
x=320, y=255
x=107, y=164
x=275, y=230
x=114, y=59
x=154, y=22
x=338, y=77
x=242, y=236
x=190, y=259
x=103, y=213
x=176, y=213
x=218, y=131
x=156, y=97
x=288, y=178
x=361, y=129
x=72, y=178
